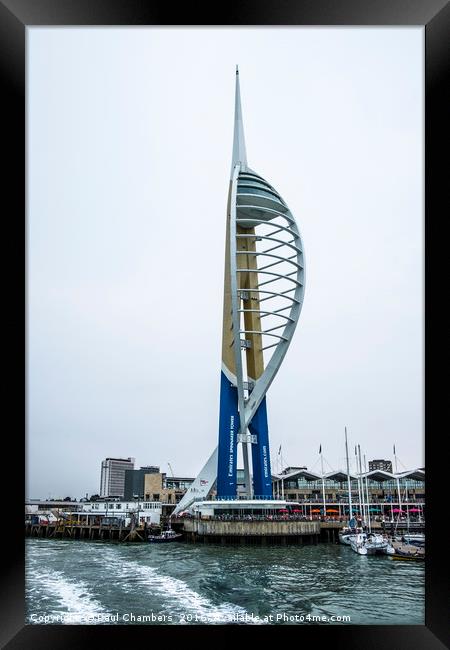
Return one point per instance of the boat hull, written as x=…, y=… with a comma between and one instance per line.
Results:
x=408, y=552
x=161, y=539
x=377, y=550
x=408, y=558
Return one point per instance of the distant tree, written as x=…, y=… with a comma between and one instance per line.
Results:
x=94, y=497
x=67, y=499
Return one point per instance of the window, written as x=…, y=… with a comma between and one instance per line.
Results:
x=248, y=176
x=253, y=190
x=253, y=183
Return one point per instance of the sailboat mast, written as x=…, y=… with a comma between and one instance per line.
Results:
x=367, y=493
x=359, y=484
x=323, y=484
x=407, y=505
x=350, y=512
x=398, y=487
x=362, y=485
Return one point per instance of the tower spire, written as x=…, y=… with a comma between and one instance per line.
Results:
x=239, y=152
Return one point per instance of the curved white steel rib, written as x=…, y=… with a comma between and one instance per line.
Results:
x=293, y=242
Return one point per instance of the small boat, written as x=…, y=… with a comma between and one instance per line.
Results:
x=408, y=552
x=165, y=536
x=417, y=539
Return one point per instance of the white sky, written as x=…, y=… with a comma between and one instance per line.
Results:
x=129, y=151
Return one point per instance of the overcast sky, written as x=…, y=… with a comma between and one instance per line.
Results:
x=129, y=151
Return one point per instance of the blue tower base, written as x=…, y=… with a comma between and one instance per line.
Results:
x=262, y=476
x=229, y=424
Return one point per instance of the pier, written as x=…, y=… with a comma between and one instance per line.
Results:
x=75, y=530
x=216, y=531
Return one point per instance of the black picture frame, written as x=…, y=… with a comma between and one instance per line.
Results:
x=15, y=17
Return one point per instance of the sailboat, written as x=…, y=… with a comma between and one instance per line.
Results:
x=346, y=534
x=358, y=543
x=371, y=544
x=368, y=543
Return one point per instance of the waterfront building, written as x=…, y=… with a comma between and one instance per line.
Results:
x=263, y=297
x=119, y=511
x=307, y=489
x=165, y=489
x=134, y=481
x=112, y=479
x=385, y=465
x=95, y=512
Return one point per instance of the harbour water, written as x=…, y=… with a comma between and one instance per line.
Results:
x=78, y=582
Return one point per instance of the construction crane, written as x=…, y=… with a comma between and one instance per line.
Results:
x=171, y=470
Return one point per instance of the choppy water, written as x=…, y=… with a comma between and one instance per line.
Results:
x=99, y=582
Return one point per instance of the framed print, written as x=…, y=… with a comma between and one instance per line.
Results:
x=279, y=487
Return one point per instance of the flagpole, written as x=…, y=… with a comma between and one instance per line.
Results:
x=278, y=472
x=323, y=484
x=282, y=477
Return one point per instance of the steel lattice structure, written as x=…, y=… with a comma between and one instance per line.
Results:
x=263, y=296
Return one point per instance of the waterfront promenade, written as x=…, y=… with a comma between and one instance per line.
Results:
x=220, y=530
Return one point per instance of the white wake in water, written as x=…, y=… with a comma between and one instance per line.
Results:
x=182, y=600
x=74, y=597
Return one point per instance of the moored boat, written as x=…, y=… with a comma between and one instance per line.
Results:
x=165, y=536
x=370, y=544
x=408, y=552
x=346, y=534
x=358, y=543
x=376, y=544
x=417, y=539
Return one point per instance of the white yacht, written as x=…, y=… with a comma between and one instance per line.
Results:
x=371, y=544
x=358, y=543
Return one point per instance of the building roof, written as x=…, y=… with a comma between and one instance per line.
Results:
x=289, y=470
x=414, y=474
x=339, y=475
x=380, y=475
x=308, y=476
